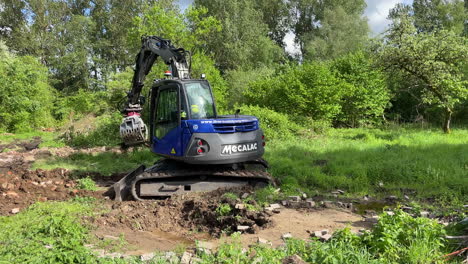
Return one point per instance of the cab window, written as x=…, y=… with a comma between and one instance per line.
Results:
x=166, y=112
x=200, y=101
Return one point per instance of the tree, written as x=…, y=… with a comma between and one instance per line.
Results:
x=243, y=41
x=328, y=29
x=340, y=33
x=433, y=15
x=435, y=59
x=275, y=14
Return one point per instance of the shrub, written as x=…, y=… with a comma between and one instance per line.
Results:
x=367, y=95
x=310, y=90
x=275, y=125
x=26, y=98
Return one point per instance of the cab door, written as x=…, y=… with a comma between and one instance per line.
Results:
x=167, y=131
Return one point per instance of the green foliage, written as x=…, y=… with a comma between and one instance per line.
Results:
x=326, y=30
x=26, y=98
x=310, y=90
x=86, y=184
x=239, y=44
x=223, y=209
x=45, y=233
x=117, y=86
x=274, y=125
x=341, y=31
x=240, y=79
x=405, y=239
x=79, y=104
x=435, y=60
x=367, y=95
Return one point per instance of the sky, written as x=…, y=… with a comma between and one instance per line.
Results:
x=376, y=12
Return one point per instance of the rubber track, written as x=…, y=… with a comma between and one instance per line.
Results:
x=159, y=172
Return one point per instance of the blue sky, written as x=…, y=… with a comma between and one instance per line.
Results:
x=376, y=12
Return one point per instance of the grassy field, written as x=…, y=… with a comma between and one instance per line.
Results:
x=423, y=164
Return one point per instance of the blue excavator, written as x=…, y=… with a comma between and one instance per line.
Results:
x=201, y=150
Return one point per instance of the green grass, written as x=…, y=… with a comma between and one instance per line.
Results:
x=427, y=162
x=49, y=139
x=51, y=232
x=105, y=163
x=87, y=184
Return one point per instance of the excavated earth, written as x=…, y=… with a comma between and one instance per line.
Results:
x=153, y=225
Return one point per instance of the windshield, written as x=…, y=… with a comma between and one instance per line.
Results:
x=200, y=101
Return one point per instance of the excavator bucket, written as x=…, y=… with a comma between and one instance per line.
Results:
x=122, y=188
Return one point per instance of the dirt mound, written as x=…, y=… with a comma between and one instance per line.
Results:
x=184, y=215
x=20, y=187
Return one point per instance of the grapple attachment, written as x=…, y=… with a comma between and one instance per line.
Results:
x=133, y=130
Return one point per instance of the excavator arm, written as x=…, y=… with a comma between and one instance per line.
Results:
x=133, y=130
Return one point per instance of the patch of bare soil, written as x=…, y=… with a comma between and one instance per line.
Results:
x=21, y=187
x=163, y=226
x=301, y=223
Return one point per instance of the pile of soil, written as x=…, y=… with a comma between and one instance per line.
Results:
x=184, y=215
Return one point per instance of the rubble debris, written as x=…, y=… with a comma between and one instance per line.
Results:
x=294, y=259
x=294, y=198
x=242, y=228
x=186, y=257
x=147, y=257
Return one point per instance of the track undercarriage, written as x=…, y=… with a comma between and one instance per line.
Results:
x=169, y=177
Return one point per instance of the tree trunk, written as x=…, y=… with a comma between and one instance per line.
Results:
x=447, y=119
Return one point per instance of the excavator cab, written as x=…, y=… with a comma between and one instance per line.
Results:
x=184, y=125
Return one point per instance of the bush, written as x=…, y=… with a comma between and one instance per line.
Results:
x=367, y=95
x=81, y=103
x=274, y=125
x=26, y=98
x=310, y=90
